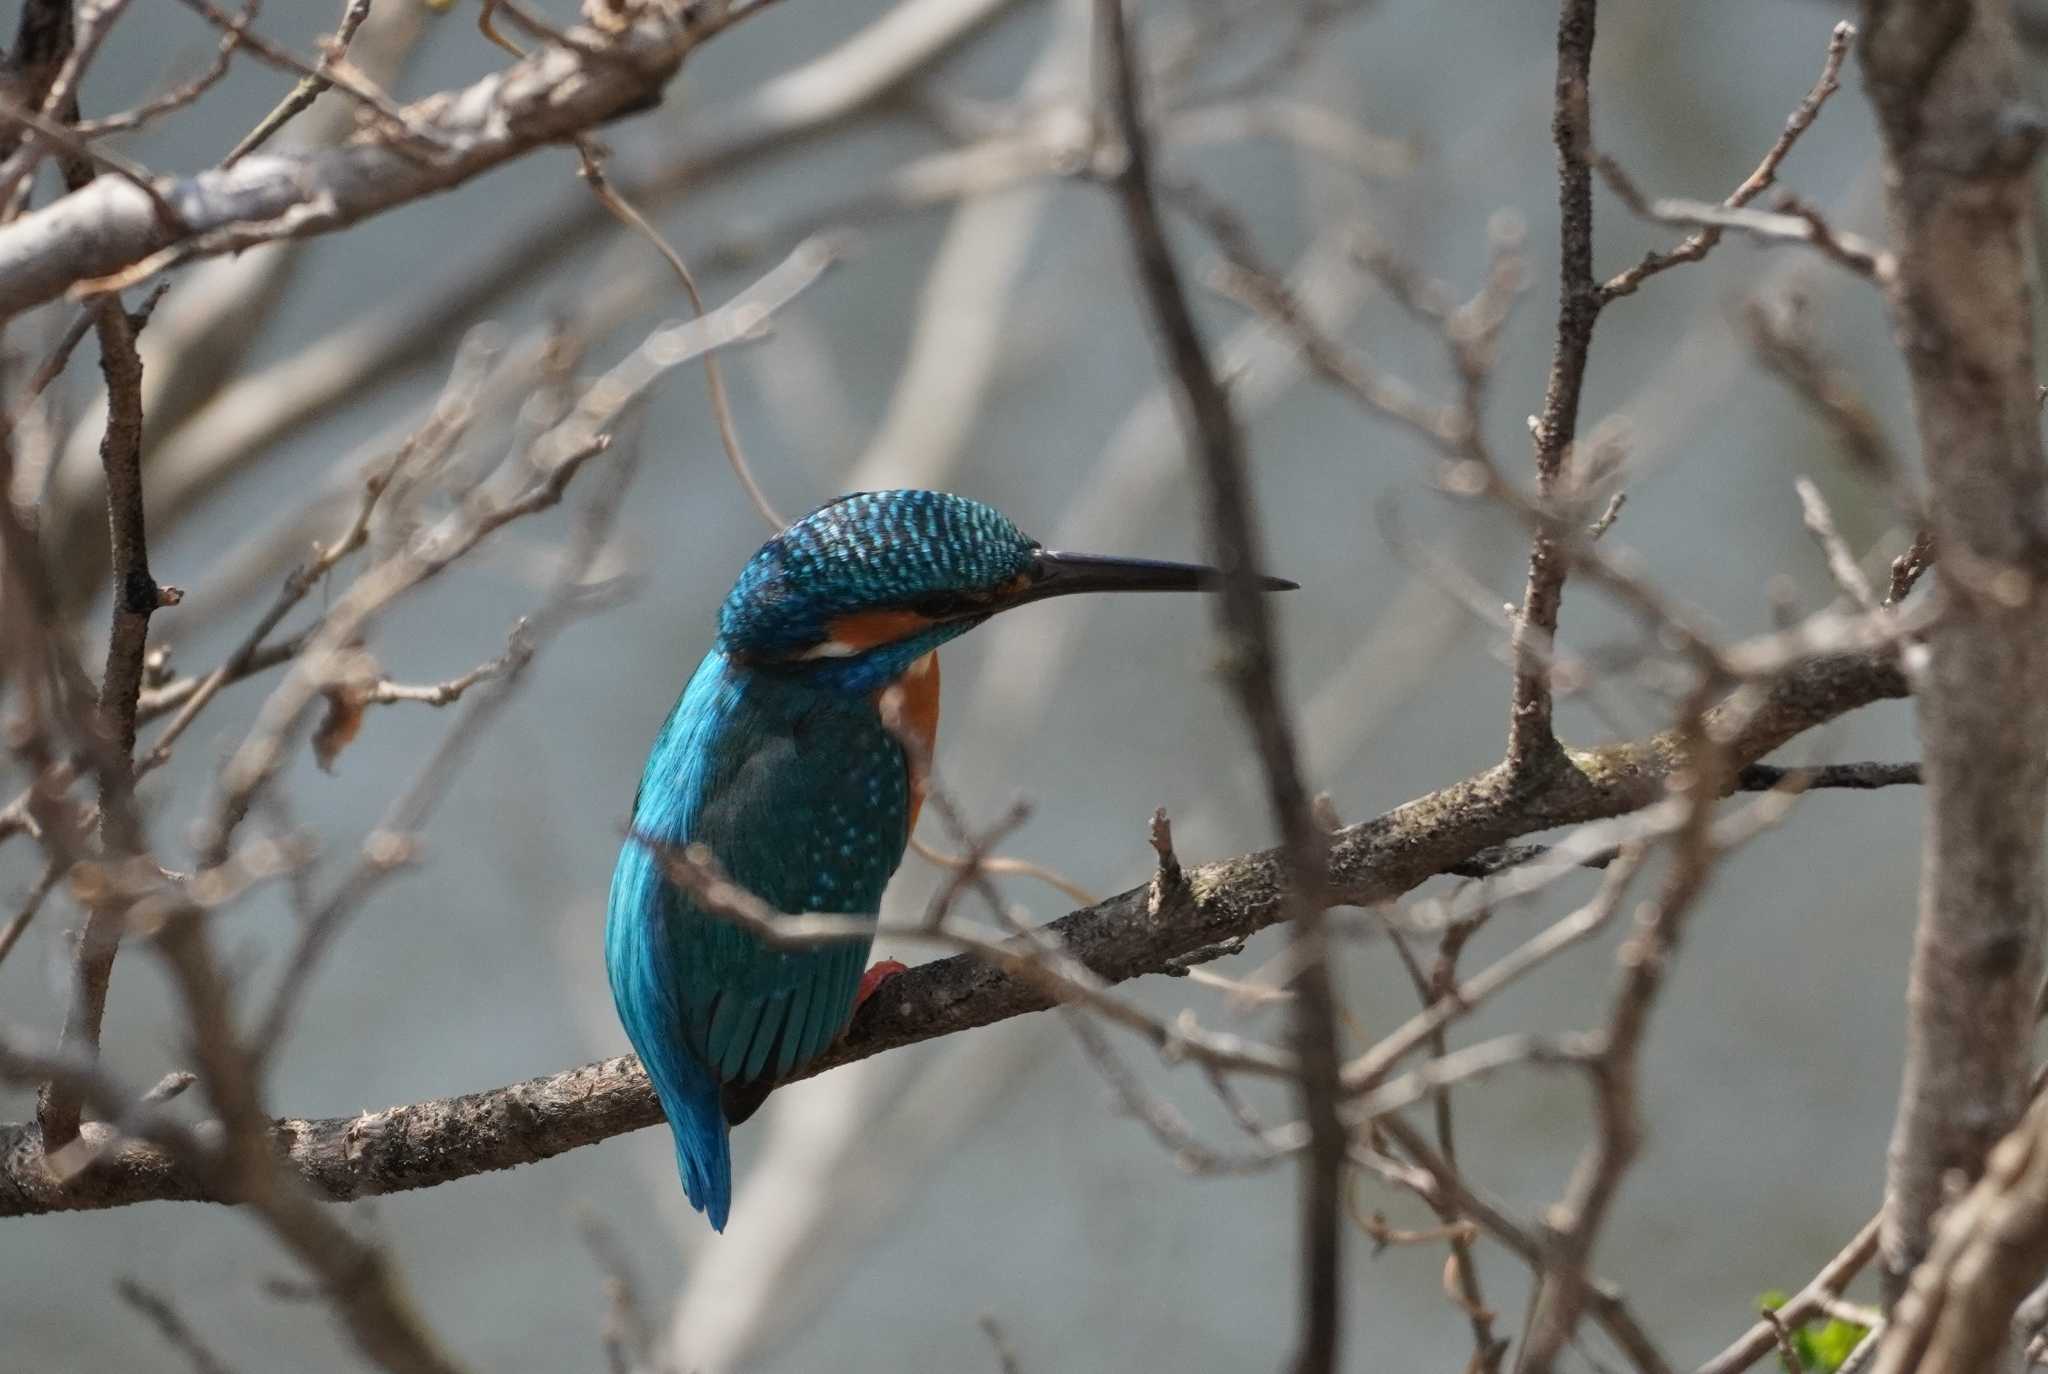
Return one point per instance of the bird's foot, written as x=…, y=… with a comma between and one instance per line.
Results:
x=875, y=977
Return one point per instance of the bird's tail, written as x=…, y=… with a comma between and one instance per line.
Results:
x=689, y=1099
x=703, y=1153
x=704, y=1158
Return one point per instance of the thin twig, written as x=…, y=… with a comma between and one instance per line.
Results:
x=332, y=69
x=1842, y=565
x=628, y=1345
x=714, y=372
x=137, y=597
x=1793, y=221
x=68, y=47
x=310, y=86
x=999, y=1341
x=179, y=96
x=1699, y=244
x=176, y=1333
x=1644, y=961
x=66, y=140
x=17, y=926
x=1217, y=450
x=1834, y=1276
x=1532, y=743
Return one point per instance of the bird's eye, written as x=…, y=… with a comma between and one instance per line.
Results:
x=943, y=605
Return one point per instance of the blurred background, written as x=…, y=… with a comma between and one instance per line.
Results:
x=994, y=346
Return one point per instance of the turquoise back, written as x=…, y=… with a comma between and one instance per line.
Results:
x=804, y=799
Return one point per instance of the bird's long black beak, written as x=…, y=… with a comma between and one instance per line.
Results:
x=1061, y=574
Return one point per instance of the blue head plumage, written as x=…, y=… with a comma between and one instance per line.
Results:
x=777, y=761
x=862, y=587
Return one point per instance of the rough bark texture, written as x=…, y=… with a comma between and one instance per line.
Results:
x=423, y=1144
x=1532, y=744
x=1958, y=164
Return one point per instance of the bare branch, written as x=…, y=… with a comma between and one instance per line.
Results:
x=108, y=233
x=1959, y=182
x=1842, y=565
x=1249, y=658
x=1140, y=931
x=176, y=1333
x=1698, y=245
x=1793, y=221
x=1990, y=1250
x=137, y=597
x=1532, y=745
x=1834, y=1276
x=354, y=12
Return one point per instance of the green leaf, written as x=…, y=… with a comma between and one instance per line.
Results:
x=1827, y=1348
x=1821, y=1350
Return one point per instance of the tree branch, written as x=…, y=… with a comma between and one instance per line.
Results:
x=136, y=597
x=1958, y=178
x=1251, y=667
x=438, y=1141
x=110, y=230
x=1992, y=1248
x=1531, y=743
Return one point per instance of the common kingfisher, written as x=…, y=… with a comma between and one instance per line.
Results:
x=777, y=760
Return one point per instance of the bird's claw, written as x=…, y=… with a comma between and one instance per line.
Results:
x=875, y=977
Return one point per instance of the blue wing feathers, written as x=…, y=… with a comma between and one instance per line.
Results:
x=730, y=1057
x=793, y=1028
x=804, y=799
x=774, y=1016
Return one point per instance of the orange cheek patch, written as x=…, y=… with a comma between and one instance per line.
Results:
x=920, y=705
x=869, y=629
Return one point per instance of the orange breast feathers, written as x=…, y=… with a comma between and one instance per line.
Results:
x=918, y=703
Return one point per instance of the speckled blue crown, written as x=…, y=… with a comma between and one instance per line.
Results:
x=873, y=550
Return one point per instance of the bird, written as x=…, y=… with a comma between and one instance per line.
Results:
x=778, y=761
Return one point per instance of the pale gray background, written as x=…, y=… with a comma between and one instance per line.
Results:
x=1773, y=1063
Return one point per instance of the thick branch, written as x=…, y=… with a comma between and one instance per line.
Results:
x=111, y=226
x=428, y=1143
x=1992, y=1250
x=1960, y=193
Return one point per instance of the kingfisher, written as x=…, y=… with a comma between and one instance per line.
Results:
x=777, y=760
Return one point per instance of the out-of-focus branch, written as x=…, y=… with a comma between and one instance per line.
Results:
x=136, y=598
x=43, y=46
x=358, y=1278
x=1130, y=935
x=109, y=231
x=1793, y=222
x=1803, y=1306
x=534, y=485
x=1960, y=187
x=194, y=351
x=1442, y=1182
x=249, y=414
x=307, y=91
x=156, y=1308
x=1251, y=668
x=1698, y=245
x=1992, y=1248
x=1645, y=960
